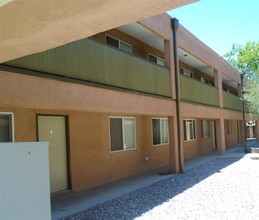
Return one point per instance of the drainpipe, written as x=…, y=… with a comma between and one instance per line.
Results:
x=175, y=25
x=243, y=113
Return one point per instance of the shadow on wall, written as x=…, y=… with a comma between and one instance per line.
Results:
x=136, y=203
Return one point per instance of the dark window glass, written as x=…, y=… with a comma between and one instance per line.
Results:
x=112, y=41
x=156, y=131
x=152, y=58
x=116, y=134
x=5, y=128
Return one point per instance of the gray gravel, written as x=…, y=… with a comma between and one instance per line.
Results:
x=225, y=188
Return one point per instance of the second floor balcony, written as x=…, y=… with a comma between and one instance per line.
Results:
x=91, y=61
x=197, y=92
x=231, y=101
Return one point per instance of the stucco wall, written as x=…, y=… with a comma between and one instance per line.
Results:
x=201, y=145
x=91, y=161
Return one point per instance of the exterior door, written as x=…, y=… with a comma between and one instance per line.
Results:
x=53, y=130
x=213, y=133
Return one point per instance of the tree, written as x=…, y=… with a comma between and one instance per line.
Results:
x=246, y=60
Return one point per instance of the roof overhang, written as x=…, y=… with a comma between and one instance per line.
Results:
x=29, y=26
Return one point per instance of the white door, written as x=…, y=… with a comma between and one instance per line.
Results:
x=53, y=130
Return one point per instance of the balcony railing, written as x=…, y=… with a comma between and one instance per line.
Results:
x=231, y=101
x=197, y=92
x=90, y=60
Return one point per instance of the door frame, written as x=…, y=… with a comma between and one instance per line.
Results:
x=66, y=117
x=214, y=134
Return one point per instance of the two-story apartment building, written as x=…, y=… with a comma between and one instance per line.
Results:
x=109, y=107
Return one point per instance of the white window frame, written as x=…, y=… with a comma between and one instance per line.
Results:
x=123, y=136
x=161, y=138
x=186, y=72
x=12, y=123
x=157, y=59
x=207, y=133
x=120, y=41
x=188, y=137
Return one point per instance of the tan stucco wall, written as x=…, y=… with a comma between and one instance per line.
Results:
x=49, y=24
x=91, y=161
x=25, y=91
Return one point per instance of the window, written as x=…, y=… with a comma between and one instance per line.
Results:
x=6, y=127
x=118, y=43
x=202, y=79
x=156, y=60
x=229, y=127
x=186, y=73
x=122, y=133
x=205, y=128
x=160, y=131
x=189, y=129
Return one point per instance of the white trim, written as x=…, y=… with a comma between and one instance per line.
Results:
x=12, y=122
x=123, y=136
x=181, y=68
x=195, y=130
x=158, y=58
x=155, y=145
x=119, y=41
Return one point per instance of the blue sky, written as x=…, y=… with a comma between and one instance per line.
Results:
x=220, y=23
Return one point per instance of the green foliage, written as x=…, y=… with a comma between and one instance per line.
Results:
x=246, y=60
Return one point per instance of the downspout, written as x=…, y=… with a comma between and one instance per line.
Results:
x=243, y=113
x=175, y=25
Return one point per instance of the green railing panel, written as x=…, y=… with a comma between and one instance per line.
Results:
x=195, y=91
x=231, y=101
x=93, y=61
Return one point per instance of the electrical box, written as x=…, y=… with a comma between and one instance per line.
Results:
x=24, y=181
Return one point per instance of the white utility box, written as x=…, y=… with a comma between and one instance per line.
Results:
x=24, y=181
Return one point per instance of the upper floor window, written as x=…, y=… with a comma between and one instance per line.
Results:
x=205, y=128
x=186, y=73
x=6, y=127
x=160, y=131
x=156, y=59
x=189, y=127
x=118, y=43
x=122, y=133
x=226, y=89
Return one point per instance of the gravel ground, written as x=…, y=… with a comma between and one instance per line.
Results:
x=226, y=188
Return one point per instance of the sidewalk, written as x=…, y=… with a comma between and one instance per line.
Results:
x=68, y=203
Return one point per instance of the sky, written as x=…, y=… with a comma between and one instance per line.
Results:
x=221, y=23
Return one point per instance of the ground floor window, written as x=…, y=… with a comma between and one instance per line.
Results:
x=160, y=131
x=189, y=129
x=229, y=127
x=205, y=128
x=6, y=127
x=122, y=133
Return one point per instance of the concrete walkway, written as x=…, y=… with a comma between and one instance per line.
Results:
x=68, y=203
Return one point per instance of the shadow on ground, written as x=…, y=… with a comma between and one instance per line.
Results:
x=136, y=203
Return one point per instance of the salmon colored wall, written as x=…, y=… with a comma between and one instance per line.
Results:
x=233, y=138
x=199, y=146
x=138, y=48
x=33, y=92
x=91, y=161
